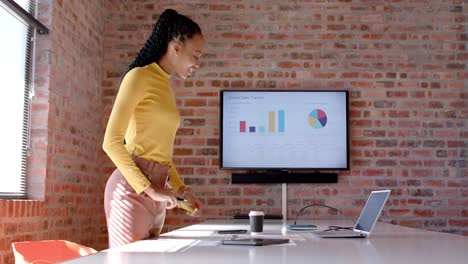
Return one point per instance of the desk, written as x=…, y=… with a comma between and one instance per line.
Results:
x=198, y=244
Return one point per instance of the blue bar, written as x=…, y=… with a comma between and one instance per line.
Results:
x=252, y=129
x=280, y=120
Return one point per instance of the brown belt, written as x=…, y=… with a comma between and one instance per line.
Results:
x=156, y=173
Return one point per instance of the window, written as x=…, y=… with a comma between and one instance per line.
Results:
x=16, y=29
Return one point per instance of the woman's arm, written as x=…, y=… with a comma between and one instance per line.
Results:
x=131, y=92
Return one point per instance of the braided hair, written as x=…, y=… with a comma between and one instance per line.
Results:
x=170, y=26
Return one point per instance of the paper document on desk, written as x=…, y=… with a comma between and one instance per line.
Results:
x=155, y=246
x=188, y=234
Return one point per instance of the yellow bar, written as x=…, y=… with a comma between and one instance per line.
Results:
x=271, y=121
x=187, y=207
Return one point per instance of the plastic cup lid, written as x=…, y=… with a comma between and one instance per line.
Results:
x=253, y=213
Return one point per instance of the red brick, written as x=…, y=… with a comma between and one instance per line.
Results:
x=195, y=102
x=399, y=212
x=253, y=191
x=424, y=212
x=458, y=223
x=448, y=212
x=183, y=151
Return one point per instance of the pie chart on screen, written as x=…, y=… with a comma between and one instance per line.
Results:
x=317, y=118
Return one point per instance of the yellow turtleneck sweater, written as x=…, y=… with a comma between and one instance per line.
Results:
x=145, y=114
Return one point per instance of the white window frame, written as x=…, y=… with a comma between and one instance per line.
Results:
x=34, y=26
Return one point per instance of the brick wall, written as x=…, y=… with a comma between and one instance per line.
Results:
x=404, y=63
x=64, y=184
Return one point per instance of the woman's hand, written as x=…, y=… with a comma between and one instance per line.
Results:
x=194, y=202
x=167, y=196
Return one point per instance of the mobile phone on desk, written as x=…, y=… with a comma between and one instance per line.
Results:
x=232, y=231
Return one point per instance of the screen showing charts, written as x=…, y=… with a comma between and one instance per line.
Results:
x=284, y=130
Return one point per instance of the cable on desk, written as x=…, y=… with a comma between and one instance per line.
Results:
x=323, y=205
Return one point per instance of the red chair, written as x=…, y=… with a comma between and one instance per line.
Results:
x=48, y=251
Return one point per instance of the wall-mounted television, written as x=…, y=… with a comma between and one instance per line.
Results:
x=284, y=135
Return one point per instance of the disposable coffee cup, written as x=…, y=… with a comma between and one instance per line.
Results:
x=256, y=221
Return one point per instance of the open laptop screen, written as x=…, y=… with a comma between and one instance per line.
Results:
x=371, y=211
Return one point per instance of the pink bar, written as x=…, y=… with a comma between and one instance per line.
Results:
x=242, y=126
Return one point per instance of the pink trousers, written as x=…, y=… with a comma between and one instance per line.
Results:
x=131, y=216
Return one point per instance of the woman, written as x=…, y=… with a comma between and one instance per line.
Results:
x=140, y=133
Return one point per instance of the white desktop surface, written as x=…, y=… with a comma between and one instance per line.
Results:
x=199, y=244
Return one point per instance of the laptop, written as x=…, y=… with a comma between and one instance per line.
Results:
x=369, y=215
